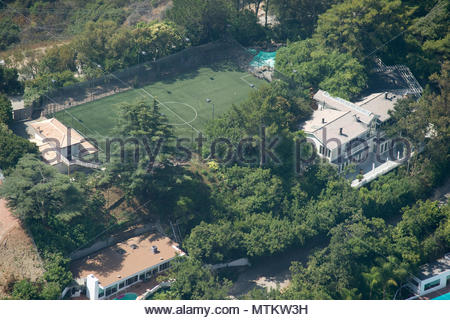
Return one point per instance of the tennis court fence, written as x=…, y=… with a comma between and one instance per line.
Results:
x=222, y=51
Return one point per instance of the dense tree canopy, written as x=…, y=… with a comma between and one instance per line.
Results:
x=298, y=18
x=194, y=282
x=9, y=83
x=9, y=33
x=311, y=65
x=12, y=148
x=203, y=20
x=358, y=27
x=61, y=214
x=5, y=110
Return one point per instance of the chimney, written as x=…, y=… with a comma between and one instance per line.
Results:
x=340, y=131
x=69, y=144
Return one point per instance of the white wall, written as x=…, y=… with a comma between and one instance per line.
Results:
x=92, y=287
x=443, y=282
x=420, y=289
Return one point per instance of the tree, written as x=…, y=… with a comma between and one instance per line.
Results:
x=245, y=28
x=13, y=147
x=46, y=82
x=50, y=291
x=358, y=27
x=203, y=21
x=58, y=59
x=9, y=33
x=9, y=83
x=5, y=110
x=146, y=123
x=25, y=290
x=298, y=18
x=426, y=121
x=156, y=40
x=61, y=214
x=246, y=191
x=214, y=243
x=195, y=282
x=93, y=47
x=265, y=235
x=311, y=65
x=427, y=40
x=57, y=270
x=385, y=277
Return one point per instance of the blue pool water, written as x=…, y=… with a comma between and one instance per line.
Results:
x=443, y=297
x=127, y=296
x=263, y=59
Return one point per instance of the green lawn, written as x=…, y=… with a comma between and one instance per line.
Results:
x=183, y=97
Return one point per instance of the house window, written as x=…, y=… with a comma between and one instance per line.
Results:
x=164, y=266
x=121, y=285
x=101, y=292
x=111, y=290
x=328, y=153
x=132, y=280
x=432, y=284
x=142, y=276
x=321, y=150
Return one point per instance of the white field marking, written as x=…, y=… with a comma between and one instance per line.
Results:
x=187, y=105
x=161, y=103
x=246, y=76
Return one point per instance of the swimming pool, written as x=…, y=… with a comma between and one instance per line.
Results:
x=127, y=296
x=263, y=59
x=445, y=296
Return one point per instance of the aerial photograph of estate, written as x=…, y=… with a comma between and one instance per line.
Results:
x=197, y=156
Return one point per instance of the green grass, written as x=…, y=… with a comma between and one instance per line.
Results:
x=224, y=87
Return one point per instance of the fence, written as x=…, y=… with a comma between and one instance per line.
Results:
x=22, y=114
x=143, y=74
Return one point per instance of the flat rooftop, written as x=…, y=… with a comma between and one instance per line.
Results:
x=379, y=105
x=435, y=268
x=126, y=258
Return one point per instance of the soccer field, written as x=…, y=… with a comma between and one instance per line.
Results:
x=183, y=98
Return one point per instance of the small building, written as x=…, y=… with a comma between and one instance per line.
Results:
x=114, y=269
x=431, y=277
x=59, y=145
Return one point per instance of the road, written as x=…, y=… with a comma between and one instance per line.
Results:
x=273, y=272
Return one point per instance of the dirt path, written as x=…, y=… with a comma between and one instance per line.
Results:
x=442, y=194
x=273, y=272
x=7, y=219
x=18, y=255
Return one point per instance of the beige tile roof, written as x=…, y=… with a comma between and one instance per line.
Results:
x=49, y=153
x=54, y=129
x=108, y=264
